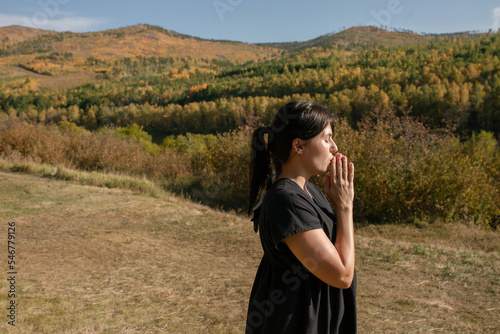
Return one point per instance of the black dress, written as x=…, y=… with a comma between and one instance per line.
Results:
x=286, y=297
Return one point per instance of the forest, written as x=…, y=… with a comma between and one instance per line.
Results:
x=420, y=120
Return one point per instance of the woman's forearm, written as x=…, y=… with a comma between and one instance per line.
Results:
x=344, y=241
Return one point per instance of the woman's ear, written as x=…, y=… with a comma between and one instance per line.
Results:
x=297, y=146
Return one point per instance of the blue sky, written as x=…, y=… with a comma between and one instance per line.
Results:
x=254, y=21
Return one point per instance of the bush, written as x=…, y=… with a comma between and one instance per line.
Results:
x=405, y=172
x=227, y=171
x=218, y=165
x=74, y=147
x=138, y=135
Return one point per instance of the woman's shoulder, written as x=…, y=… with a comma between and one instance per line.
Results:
x=284, y=187
x=284, y=190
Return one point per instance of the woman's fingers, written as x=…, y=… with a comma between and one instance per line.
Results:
x=339, y=166
x=344, y=167
x=333, y=170
x=340, y=181
x=351, y=172
x=341, y=171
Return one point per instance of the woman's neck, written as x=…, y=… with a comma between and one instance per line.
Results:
x=293, y=170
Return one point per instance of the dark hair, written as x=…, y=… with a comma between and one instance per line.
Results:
x=296, y=119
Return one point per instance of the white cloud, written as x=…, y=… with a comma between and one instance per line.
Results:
x=41, y=20
x=7, y=20
x=496, y=19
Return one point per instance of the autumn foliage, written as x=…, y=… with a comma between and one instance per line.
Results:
x=404, y=171
x=419, y=119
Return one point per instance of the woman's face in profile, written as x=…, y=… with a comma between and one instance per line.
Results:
x=318, y=152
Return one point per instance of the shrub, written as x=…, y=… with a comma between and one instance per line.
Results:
x=405, y=172
x=227, y=162
x=138, y=135
x=74, y=147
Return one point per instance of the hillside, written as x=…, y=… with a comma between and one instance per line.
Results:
x=15, y=34
x=108, y=260
x=452, y=78
x=69, y=54
x=75, y=58
x=66, y=59
x=134, y=41
x=364, y=35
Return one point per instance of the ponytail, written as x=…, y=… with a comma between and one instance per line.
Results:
x=260, y=169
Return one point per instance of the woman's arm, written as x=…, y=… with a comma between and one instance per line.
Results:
x=333, y=264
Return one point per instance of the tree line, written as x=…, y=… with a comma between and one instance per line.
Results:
x=454, y=81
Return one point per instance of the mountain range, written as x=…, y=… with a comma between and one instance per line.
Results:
x=55, y=59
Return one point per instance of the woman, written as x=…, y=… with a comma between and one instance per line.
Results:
x=306, y=281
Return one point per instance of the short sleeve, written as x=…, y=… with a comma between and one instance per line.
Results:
x=290, y=214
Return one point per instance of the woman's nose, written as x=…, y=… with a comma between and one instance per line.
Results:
x=333, y=147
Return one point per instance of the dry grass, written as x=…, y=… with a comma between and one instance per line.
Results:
x=113, y=261
x=101, y=260
x=143, y=185
x=430, y=280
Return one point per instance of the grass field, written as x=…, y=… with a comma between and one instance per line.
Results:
x=99, y=260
